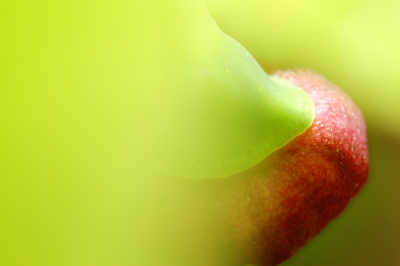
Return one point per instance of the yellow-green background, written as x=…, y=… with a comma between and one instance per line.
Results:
x=355, y=44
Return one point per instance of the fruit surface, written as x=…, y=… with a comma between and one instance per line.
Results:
x=263, y=215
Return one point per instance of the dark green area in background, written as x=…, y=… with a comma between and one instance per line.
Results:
x=367, y=232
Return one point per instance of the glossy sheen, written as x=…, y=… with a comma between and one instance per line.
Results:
x=262, y=216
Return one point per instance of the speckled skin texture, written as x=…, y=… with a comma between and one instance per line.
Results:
x=262, y=216
x=316, y=174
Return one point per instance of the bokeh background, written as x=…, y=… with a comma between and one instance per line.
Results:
x=355, y=44
x=60, y=205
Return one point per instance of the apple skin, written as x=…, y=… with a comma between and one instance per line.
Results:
x=263, y=215
x=315, y=175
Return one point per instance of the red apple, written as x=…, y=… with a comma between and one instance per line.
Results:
x=263, y=215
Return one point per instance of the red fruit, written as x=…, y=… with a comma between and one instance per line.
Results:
x=315, y=175
x=263, y=215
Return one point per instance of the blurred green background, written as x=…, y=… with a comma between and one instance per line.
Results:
x=354, y=43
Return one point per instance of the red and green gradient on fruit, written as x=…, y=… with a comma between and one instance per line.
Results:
x=264, y=214
x=138, y=133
